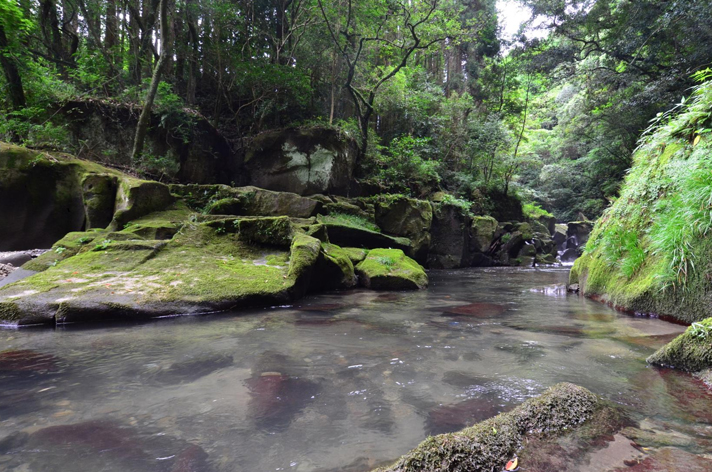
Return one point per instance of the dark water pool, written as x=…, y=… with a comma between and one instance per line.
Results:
x=341, y=381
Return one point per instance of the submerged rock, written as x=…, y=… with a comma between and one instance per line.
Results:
x=105, y=445
x=490, y=444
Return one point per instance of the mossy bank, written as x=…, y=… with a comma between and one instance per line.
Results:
x=651, y=251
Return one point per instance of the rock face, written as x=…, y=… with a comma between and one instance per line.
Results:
x=450, y=233
x=302, y=160
x=490, y=444
x=106, y=130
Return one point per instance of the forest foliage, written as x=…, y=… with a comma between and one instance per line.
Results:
x=435, y=95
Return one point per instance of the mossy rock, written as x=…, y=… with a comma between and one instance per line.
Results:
x=490, y=444
x=199, y=270
x=137, y=198
x=351, y=236
x=334, y=269
x=319, y=232
x=99, y=196
x=483, y=232
x=450, y=237
x=70, y=245
x=391, y=269
x=691, y=351
x=406, y=217
x=355, y=254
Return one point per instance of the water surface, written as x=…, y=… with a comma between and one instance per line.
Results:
x=339, y=381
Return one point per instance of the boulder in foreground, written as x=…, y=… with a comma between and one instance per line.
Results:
x=487, y=446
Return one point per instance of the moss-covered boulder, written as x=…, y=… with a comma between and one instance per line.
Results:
x=40, y=198
x=483, y=232
x=99, y=196
x=691, y=351
x=246, y=201
x=450, y=237
x=333, y=270
x=651, y=251
x=487, y=446
x=391, y=269
x=354, y=236
x=406, y=217
x=304, y=160
x=201, y=269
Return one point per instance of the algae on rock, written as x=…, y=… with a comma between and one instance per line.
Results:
x=489, y=444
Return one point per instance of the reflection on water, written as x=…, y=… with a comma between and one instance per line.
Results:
x=341, y=381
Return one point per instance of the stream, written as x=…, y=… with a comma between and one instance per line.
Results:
x=340, y=381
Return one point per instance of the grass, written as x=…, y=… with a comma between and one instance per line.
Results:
x=352, y=221
x=653, y=243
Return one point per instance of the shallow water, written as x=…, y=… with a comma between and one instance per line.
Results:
x=340, y=381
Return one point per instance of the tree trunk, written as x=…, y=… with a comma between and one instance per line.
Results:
x=145, y=118
x=12, y=75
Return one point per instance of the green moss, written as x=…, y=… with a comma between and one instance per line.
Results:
x=691, y=351
x=651, y=250
x=391, y=269
x=350, y=220
x=534, y=211
x=9, y=311
x=490, y=444
x=355, y=254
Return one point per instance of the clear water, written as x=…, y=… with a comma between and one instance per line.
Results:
x=340, y=381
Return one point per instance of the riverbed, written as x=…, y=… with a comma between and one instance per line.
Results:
x=339, y=381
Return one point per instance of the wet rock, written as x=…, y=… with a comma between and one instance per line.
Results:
x=570, y=255
x=276, y=399
x=691, y=351
x=667, y=459
x=192, y=369
x=476, y=310
x=409, y=218
x=490, y=444
x=304, y=160
x=579, y=231
x=6, y=269
x=27, y=361
x=450, y=237
x=449, y=418
x=390, y=269
x=108, y=446
x=559, y=236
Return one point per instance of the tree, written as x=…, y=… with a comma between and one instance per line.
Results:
x=12, y=21
x=376, y=40
x=145, y=118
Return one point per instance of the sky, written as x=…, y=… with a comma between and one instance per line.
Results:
x=511, y=15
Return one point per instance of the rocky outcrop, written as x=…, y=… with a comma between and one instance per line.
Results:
x=490, y=444
x=409, y=218
x=305, y=161
x=184, y=249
